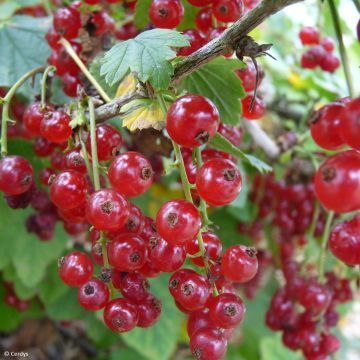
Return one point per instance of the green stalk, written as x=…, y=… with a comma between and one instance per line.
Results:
x=325, y=238
x=343, y=53
x=94, y=154
x=84, y=69
x=43, y=84
x=6, y=103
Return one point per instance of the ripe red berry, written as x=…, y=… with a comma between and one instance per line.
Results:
x=226, y=310
x=208, y=343
x=109, y=142
x=166, y=14
x=135, y=287
x=309, y=35
x=239, y=263
x=350, y=125
x=68, y=190
x=73, y=160
x=248, y=76
x=107, y=210
x=178, y=221
x=52, y=37
x=203, y=19
x=74, y=215
x=344, y=241
x=328, y=44
x=233, y=133
x=70, y=84
x=33, y=116
x=45, y=174
x=337, y=182
x=200, y=3
x=93, y=295
x=192, y=120
x=218, y=174
x=136, y=220
x=16, y=175
x=67, y=22
x=149, y=312
x=228, y=10
x=42, y=147
x=75, y=269
x=256, y=112
x=102, y=22
x=126, y=32
x=315, y=298
x=212, y=244
x=131, y=174
x=127, y=252
x=55, y=127
x=197, y=40
x=121, y=315
x=325, y=126
x=330, y=63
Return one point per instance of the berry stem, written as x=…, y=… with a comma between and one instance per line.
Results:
x=47, y=71
x=47, y=6
x=6, y=103
x=325, y=237
x=84, y=69
x=343, y=53
x=86, y=158
x=94, y=153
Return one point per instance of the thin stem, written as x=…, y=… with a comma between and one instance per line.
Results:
x=343, y=53
x=47, y=7
x=86, y=158
x=325, y=238
x=6, y=103
x=357, y=4
x=314, y=221
x=48, y=70
x=84, y=69
x=94, y=153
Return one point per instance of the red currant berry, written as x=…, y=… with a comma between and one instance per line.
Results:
x=135, y=287
x=68, y=190
x=226, y=310
x=200, y=3
x=256, y=112
x=16, y=175
x=149, y=312
x=212, y=244
x=166, y=14
x=197, y=320
x=197, y=40
x=204, y=19
x=315, y=298
x=55, y=127
x=75, y=269
x=337, y=182
x=328, y=44
x=239, y=263
x=218, y=174
x=233, y=133
x=45, y=174
x=33, y=116
x=127, y=252
x=350, y=125
x=67, y=22
x=74, y=215
x=57, y=160
x=52, y=37
x=102, y=22
x=121, y=315
x=107, y=210
x=192, y=120
x=309, y=35
x=131, y=174
x=136, y=220
x=70, y=84
x=73, y=160
x=248, y=76
x=42, y=147
x=93, y=295
x=108, y=140
x=126, y=32
x=330, y=63
x=228, y=10
x=150, y=270
x=208, y=343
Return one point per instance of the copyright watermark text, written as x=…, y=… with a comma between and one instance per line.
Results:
x=11, y=354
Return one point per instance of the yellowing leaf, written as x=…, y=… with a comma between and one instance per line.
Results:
x=144, y=114
x=295, y=80
x=126, y=86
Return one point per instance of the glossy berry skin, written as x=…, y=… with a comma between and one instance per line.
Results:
x=52, y=37
x=197, y=320
x=75, y=269
x=121, y=315
x=200, y=3
x=218, y=182
x=192, y=120
x=108, y=140
x=135, y=287
x=228, y=10
x=226, y=310
x=239, y=263
x=337, y=182
x=70, y=84
x=126, y=32
x=344, y=241
x=313, y=57
x=165, y=256
x=203, y=19
x=93, y=295
x=330, y=63
x=16, y=175
x=350, y=125
x=233, y=133
x=315, y=298
x=248, y=76
x=102, y=22
x=256, y=112
x=197, y=40
x=212, y=244
x=45, y=174
x=68, y=190
x=149, y=312
x=208, y=343
x=328, y=44
x=127, y=252
x=325, y=126
x=33, y=116
x=190, y=289
x=42, y=147
x=131, y=174
x=166, y=14
x=309, y=35
x=55, y=127
x=67, y=22
x=136, y=220
x=73, y=160
x=107, y=210
x=74, y=215
x=178, y=221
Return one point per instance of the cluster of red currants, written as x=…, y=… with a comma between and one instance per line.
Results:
x=305, y=311
x=321, y=52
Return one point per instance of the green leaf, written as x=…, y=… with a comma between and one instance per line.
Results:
x=272, y=348
x=7, y=9
x=147, y=55
x=218, y=82
x=141, y=18
x=190, y=12
x=219, y=142
x=126, y=354
x=159, y=341
x=10, y=317
x=22, y=47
